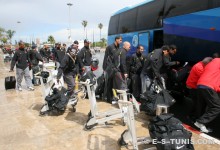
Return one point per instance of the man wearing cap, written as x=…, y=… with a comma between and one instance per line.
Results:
x=75, y=44
x=69, y=68
x=59, y=54
x=85, y=57
x=21, y=60
x=35, y=57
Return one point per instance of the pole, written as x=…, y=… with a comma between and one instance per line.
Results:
x=69, y=38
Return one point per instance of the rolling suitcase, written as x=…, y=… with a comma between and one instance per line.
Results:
x=10, y=82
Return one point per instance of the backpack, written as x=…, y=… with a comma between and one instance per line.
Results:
x=168, y=133
x=150, y=100
x=101, y=85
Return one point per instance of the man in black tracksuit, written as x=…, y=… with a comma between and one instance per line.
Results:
x=21, y=60
x=45, y=53
x=69, y=68
x=85, y=57
x=107, y=68
x=136, y=65
x=35, y=57
x=121, y=73
x=59, y=55
x=156, y=65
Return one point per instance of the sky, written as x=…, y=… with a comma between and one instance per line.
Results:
x=41, y=18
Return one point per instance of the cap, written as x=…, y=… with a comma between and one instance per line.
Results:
x=34, y=46
x=86, y=41
x=76, y=42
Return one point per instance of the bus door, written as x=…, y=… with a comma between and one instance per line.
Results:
x=144, y=38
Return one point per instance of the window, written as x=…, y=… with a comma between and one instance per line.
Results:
x=150, y=15
x=180, y=7
x=127, y=21
x=113, y=25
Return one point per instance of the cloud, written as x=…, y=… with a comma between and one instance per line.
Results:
x=41, y=18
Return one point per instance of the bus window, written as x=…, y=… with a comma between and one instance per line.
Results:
x=149, y=15
x=180, y=7
x=127, y=22
x=158, y=39
x=113, y=25
x=214, y=3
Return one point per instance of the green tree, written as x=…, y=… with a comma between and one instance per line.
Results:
x=2, y=30
x=4, y=40
x=84, y=24
x=51, y=39
x=100, y=26
x=10, y=34
x=103, y=40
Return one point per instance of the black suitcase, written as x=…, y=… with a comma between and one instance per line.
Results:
x=10, y=82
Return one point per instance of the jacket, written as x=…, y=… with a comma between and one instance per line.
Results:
x=85, y=57
x=211, y=75
x=137, y=63
x=108, y=58
x=194, y=75
x=20, y=58
x=120, y=60
x=68, y=66
x=34, y=57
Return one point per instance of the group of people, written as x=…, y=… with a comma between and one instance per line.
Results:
x=68, y=62
x=141, y=69
x=203, y=83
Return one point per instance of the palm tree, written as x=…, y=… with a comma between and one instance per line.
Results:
x=10, y=34
x=100, y=26
x=84, y=24
x=2, y=30
x=4, y=40
x=103, y=40
x=51, y=39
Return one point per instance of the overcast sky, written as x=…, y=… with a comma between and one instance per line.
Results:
x=41, y=18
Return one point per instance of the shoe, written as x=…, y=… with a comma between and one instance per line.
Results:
x=19, y=89
x=202, y=127
x=114, y=102
x=30, y=88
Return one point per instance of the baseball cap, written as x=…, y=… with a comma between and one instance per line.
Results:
x=76, y=42
x=86, y=41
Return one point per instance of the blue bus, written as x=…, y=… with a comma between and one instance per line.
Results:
x=192, y=25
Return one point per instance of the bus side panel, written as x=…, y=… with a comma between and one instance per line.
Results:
x=144, y=41
x=196, y=35
x=192, y=49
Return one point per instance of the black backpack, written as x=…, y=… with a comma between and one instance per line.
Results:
x=150, y=100
x=168, y=133
x=101, y=85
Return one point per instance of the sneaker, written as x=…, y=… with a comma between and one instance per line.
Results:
x=114, y=102
x=30, y=88
x=202, y=127
x=19, y=89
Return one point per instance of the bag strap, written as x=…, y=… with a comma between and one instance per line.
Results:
x=71, y=57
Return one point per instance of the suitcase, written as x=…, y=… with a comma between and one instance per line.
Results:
x=10, y=82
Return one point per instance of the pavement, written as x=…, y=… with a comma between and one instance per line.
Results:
x=23, y=129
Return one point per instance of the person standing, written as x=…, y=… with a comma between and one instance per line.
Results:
x=191, y=83
x=21, y=60
x=35, y=57
x=208, y=87
x=59, y=55
x=121, y=73
x=85, y=57
x=136, y=65
x=69, y=69
x=107, y=68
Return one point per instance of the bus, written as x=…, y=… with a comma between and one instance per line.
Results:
x=192, y=25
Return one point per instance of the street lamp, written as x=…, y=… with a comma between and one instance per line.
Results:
x=69, y=37
x=18, y=22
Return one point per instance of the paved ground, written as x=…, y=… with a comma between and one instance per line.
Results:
x=23, y=128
